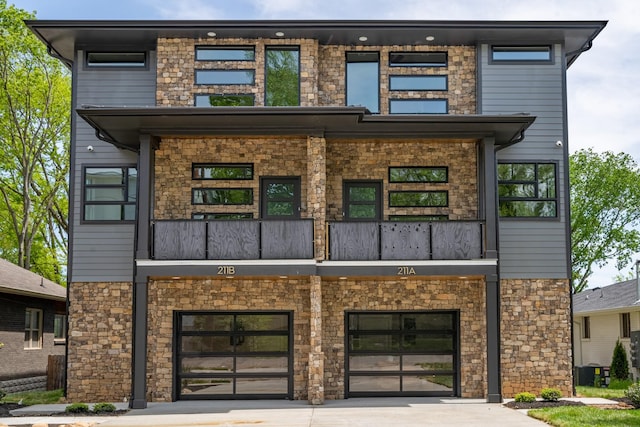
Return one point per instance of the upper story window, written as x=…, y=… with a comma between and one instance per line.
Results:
x=418, y=59
x=225, y=77
x=282, y=76
x=625, y=325
x=363, y=80
x=116, y=59
x=110, y=193
x=521, y=54
x=586, y=327
x=59, y=330
x=222, y=100
x=222, y=171
x=527, y=190
x=32, y=328
x=418, y=106
x=418, y=174
x=225, y=53
x=418, y=82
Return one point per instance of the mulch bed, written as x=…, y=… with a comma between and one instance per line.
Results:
x=539, y=404
x=6, y=407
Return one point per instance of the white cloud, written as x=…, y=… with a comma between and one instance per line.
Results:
x=187, y=9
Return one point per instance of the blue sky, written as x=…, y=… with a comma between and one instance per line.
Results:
x=603, y=85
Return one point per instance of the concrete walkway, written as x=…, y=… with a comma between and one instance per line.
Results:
x=369, y=412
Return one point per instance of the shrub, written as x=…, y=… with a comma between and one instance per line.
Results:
x=77, y=408
x=104, y=407
x=2, y=394
x=525, y=396
x=633, y=394
x=550, y=394
x=615, y=384
x=619, y=363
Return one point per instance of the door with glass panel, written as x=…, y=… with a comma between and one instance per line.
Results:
x=233, y=355
x=402, y=354
x=362, y=200
x=280, y=198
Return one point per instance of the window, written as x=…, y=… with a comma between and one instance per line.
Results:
x=280, y=198
x=227, y=53
x=282, y=75
x=116, y=59
x=418, y=82
x=418, y=59
x=418, y=174
x=625, y=325
x=224, y=100
x=401, y=199
x=240, y=171
x=222, y=196
x=363, y=80
x=421, y=218
x=241, y=215
x=527, y=190
x=110, y=193
x=59, y=329
x=586, y=327
x=32, y=328
x=521, y=53
x=418, y=106
x=225, y=77
x=362, y=200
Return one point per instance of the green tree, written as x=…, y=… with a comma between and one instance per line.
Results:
x=619, y=363
x=605, y=208
x=35, y=94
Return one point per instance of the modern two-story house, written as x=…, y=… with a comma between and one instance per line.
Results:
x=318, y=209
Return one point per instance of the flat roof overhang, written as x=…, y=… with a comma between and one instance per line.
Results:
x=123, y=127
x=63, y=37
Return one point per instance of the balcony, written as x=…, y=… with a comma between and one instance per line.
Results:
x=232, y=239
x=369, y=241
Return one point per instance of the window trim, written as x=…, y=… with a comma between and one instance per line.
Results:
x=494, y=61
x=123, y=203
x=295, y=48
x=30, y=329
x=444, y=64
x=224, y=47
x=556, y=198
x=229, y=165
x=225, y=70
x=92, y=66
x=427, y=100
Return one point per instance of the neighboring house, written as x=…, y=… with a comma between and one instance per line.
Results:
x=311, y=209
x=32, y=326
x=602, y=316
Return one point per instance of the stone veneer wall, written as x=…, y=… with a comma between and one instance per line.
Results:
x=177, y=64
x=466, y=295
x=370, y=160
x=461, y=72
x=535, y=336
x=166, y=296
x=270, y=157
x=100, y=342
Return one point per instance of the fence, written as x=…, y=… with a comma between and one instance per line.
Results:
x=56, y=367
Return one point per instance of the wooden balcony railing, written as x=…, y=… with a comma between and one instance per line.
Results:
x=232, y=239
x=368, y=241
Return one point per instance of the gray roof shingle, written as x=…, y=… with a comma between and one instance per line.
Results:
x=17, y=280
x=618, y=295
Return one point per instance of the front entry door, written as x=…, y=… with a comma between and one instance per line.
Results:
x=280, y=198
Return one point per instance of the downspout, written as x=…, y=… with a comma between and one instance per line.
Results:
x=637, y=282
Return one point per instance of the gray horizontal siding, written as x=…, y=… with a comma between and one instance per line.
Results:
x=530, y=248
x=104, y=252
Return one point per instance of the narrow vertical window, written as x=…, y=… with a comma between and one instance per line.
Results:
x=625, y=325
x=32, y=328
x=586, y=327
x=363, y=80
x=282, y=76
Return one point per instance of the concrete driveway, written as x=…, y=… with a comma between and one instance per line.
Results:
x=369, y=412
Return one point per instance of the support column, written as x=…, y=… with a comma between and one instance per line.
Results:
x=317, y=192
x=316, y=356
x=489, y=187
x=494, y=383
x=140, y=283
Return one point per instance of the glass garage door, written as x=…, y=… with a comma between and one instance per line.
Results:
x=239, y=355
x=402, y=354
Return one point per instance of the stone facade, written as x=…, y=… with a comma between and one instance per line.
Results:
x=100, y=342
x=322, y=73
x=535, y=336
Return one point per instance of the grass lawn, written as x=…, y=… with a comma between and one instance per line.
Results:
x=605, y=393
x=34, y=397
x=579, y=416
